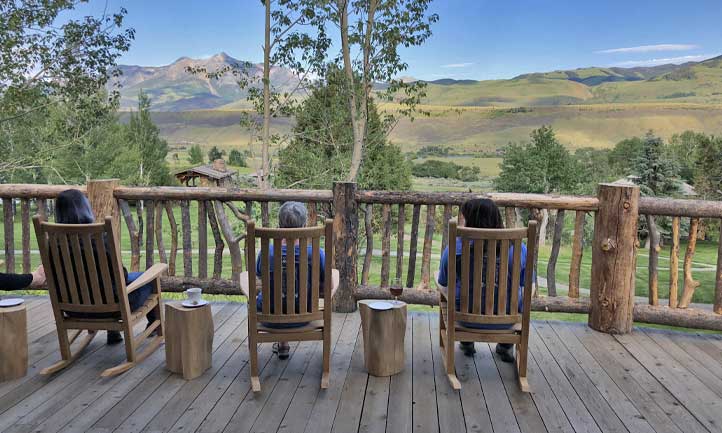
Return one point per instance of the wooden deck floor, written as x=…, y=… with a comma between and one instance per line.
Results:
x=649, y=381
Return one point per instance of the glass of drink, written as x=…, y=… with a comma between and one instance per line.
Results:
x=396, y=289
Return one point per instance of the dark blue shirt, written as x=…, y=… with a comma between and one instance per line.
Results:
x=322, y=267
x=444, y=279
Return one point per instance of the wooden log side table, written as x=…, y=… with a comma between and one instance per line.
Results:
x=383, y=333
x=188, y=339
x=13, y=343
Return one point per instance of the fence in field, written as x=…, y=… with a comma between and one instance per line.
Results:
x=384, y=238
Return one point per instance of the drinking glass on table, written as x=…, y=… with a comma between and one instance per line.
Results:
x=396, y=289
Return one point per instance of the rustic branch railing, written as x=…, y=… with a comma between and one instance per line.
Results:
x=412, y=227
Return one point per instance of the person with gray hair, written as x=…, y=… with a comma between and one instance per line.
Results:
x=292, y=214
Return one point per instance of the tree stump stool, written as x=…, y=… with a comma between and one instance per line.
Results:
x=13, y=343
x=383, y=333
x=188, y=339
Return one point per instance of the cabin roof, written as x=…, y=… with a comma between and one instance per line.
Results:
x=206, y=171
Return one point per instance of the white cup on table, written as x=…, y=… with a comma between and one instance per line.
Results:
x=194, y=295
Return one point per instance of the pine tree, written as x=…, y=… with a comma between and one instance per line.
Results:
x=707, y=168
x=195, y=154
x=657, y=175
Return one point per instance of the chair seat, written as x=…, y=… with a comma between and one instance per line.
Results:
x=316, y=325
x=515, y=329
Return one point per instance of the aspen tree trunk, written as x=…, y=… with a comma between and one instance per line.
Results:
x=265, y=154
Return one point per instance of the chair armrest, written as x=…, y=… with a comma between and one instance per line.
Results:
x=335, y=280
x=245, y=289
x=149, y=275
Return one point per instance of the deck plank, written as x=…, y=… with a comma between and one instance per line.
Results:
x=635, y=407
x=298, y=412
x=473, y=401
x=637, y=380
x=448, y=401
x=607, y=418
x=401, y=391
x=424, y=412
x=702, y=402
x=577, y=413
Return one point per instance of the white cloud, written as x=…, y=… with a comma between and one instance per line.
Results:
x=663, y=61
x=457, y=65
x=649, y=48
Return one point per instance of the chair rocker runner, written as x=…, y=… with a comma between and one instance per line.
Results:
x=271, y=322
x=87, y=289
x=499, y=306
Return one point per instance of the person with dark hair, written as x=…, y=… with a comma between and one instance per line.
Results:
x=482, y=213
x=73, y=207
x=292, y=214
x=34, y=280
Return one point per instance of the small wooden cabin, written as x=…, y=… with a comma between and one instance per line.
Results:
x=215, y=174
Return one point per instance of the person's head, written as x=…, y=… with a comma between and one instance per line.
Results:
x=481, y=213
x=292, y=215
x=73, y=207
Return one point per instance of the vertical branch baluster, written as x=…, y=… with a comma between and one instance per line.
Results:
x=556, y=244
x=653, y=261
x=141, y=225
x=218, y=253
x=689, y=282
x=509, y=217
x=42, y=208
x=9, y=235
x=445, y=226
x=233, y=242
x=173, y=237
x=265, y=217
x=25, y=220
x=400, y=243
x=187, y=242
x=149, y=247
x=159, y=232
x=577, y=251
x=202, y=240
x=369, y=245
x=386, y=245
x=249, y=208
x=133, y=234
x=428, y=238
x=718, y=280
x=674, y=265
x=312, y=214
x=412, y=248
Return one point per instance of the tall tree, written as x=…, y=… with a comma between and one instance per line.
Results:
x=541, y=166
x=657, y=175
x=376, y=29
x=320, y=148
x=707, y=167
x=143, y=160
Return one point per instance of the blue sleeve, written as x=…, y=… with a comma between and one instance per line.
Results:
x=322, y=258
x=258, y=265
x=522, y=277
x=444, y=268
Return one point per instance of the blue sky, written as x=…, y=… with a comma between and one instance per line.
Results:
x=474, y=39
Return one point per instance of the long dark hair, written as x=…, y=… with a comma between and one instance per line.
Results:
x=72, y=207
x=482, y=213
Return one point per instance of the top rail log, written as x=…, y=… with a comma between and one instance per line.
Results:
x=15, y=190
x=222, y=194
x=680, y=207
x=501, y=199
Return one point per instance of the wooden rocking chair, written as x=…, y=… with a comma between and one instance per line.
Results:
x=81, y=273
x=317, y=312
x=498, y=308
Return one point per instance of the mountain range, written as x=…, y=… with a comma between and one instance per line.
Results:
x=173, y=88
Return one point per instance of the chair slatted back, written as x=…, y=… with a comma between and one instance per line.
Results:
x=289, y=294
x=489, y=283
x=82, y=266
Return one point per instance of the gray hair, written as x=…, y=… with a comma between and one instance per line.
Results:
x=292, y=214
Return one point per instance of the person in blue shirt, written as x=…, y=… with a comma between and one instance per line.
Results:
x=483, y=213
x=292, y=214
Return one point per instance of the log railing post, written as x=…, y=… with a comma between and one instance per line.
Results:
x=100, y=195
x=345, y=229
x=614, y=259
